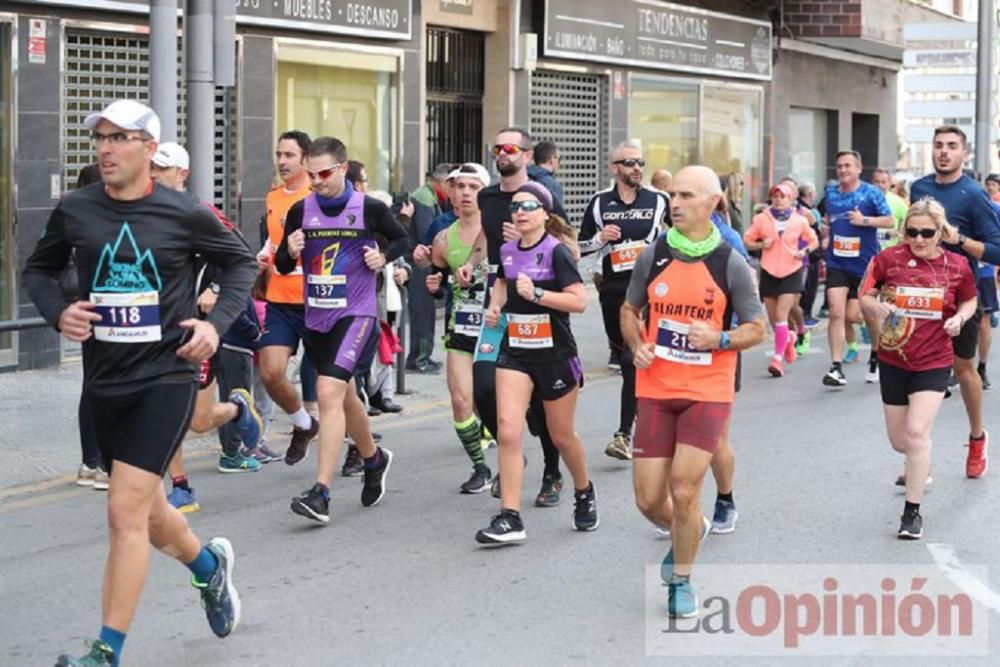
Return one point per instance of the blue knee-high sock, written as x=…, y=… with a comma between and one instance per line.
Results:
x=114, y=639
x=203, y=566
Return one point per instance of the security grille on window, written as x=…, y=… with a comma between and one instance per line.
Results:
x=101, y=67
x=455, y=61
x=570, y=110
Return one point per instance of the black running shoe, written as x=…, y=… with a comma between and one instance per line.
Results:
x=312, y=504
x=548, y=495
x=374, y=483
x=834, y=377
x=911, y=526
x=505, y=528
x=585, y=510
x=354, y=465
x=299, y=446
x=480, y=480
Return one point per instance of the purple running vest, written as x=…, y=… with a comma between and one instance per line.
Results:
x=337, y=281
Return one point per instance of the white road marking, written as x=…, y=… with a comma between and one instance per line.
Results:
x=945, y=558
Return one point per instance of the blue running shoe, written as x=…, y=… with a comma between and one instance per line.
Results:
x=667, y=566
x=219, y=596
x=851, y=356
x=724, y=520
x=811, y=322
x=100, y=654
x=866, y=337
x=248, y=423
x=238, y=463
x=183, y=500
x=681, y=600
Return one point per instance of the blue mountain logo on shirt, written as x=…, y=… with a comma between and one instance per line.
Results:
x=117, y=274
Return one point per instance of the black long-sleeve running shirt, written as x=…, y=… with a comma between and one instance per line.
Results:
x=142, y=251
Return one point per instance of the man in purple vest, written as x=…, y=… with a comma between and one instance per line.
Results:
x=336, y=231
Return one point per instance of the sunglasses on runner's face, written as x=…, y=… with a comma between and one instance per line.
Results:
x=926, y=233
x=527, y=206
x=509, y=149
x=323, y=174
x=631, y=162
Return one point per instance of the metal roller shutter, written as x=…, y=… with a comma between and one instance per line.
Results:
x=571, y=110
x=104, y=66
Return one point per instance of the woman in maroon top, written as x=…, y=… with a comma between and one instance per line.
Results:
x=922, y=294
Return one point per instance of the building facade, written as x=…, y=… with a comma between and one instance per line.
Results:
x=762, y=88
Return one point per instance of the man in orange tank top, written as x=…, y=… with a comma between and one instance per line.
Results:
x=677, y=320
x=284, y=325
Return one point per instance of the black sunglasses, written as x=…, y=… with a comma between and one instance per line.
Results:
x=926, y=233
x=527, y=206
x=631, y=162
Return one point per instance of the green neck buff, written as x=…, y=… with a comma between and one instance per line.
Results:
x=694, y=249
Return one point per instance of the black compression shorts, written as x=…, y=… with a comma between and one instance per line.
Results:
x=142, y=428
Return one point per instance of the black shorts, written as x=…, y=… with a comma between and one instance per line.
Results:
x=897, y=384
x=966, y=343
x=454, y=342
x=987, y=289
x=772, y=286
x=838, y=278
x=143, y=427
x=208, y=371
x=337, y=352
x=552, y=379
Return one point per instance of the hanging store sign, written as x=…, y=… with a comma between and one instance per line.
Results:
x=380, y=19
x=659, y=35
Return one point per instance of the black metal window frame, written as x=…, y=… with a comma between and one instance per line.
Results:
x=455, y=68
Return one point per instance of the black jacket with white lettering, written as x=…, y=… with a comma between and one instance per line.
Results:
x=642, y=220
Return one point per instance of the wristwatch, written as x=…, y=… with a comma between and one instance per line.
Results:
x=962, y=238
x=538, y=295
x=723, y=341
x=215, y=288
x=864, y=221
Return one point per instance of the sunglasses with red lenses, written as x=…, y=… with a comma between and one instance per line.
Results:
x=323, y=174
x=509, y=149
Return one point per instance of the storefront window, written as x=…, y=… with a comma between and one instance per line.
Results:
x=319, y=95
x=807, y=145
x=663, y=115
x=6, y=189
x=731, y=135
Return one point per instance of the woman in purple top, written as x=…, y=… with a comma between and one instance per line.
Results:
x=537, y=287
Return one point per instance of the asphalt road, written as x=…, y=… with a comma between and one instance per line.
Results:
x=405, y=583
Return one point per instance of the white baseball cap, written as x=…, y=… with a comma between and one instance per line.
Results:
x=128, y=115
x=471, y=170
x=170, y=154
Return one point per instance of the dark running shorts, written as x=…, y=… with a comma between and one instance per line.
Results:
x=336, y=353
x=142, y=428
x=773, y=287
x=897, y=384
x=662, y=424
x=966, y=344
x=837, y=278
x=552, y=379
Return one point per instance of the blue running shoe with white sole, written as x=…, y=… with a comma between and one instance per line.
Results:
x=681, y=600
x=667, y=566
x=248, y=423
x=219, y=596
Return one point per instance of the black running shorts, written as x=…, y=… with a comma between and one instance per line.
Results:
x=896, y=384
x=552, y=379
x=144, y=427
